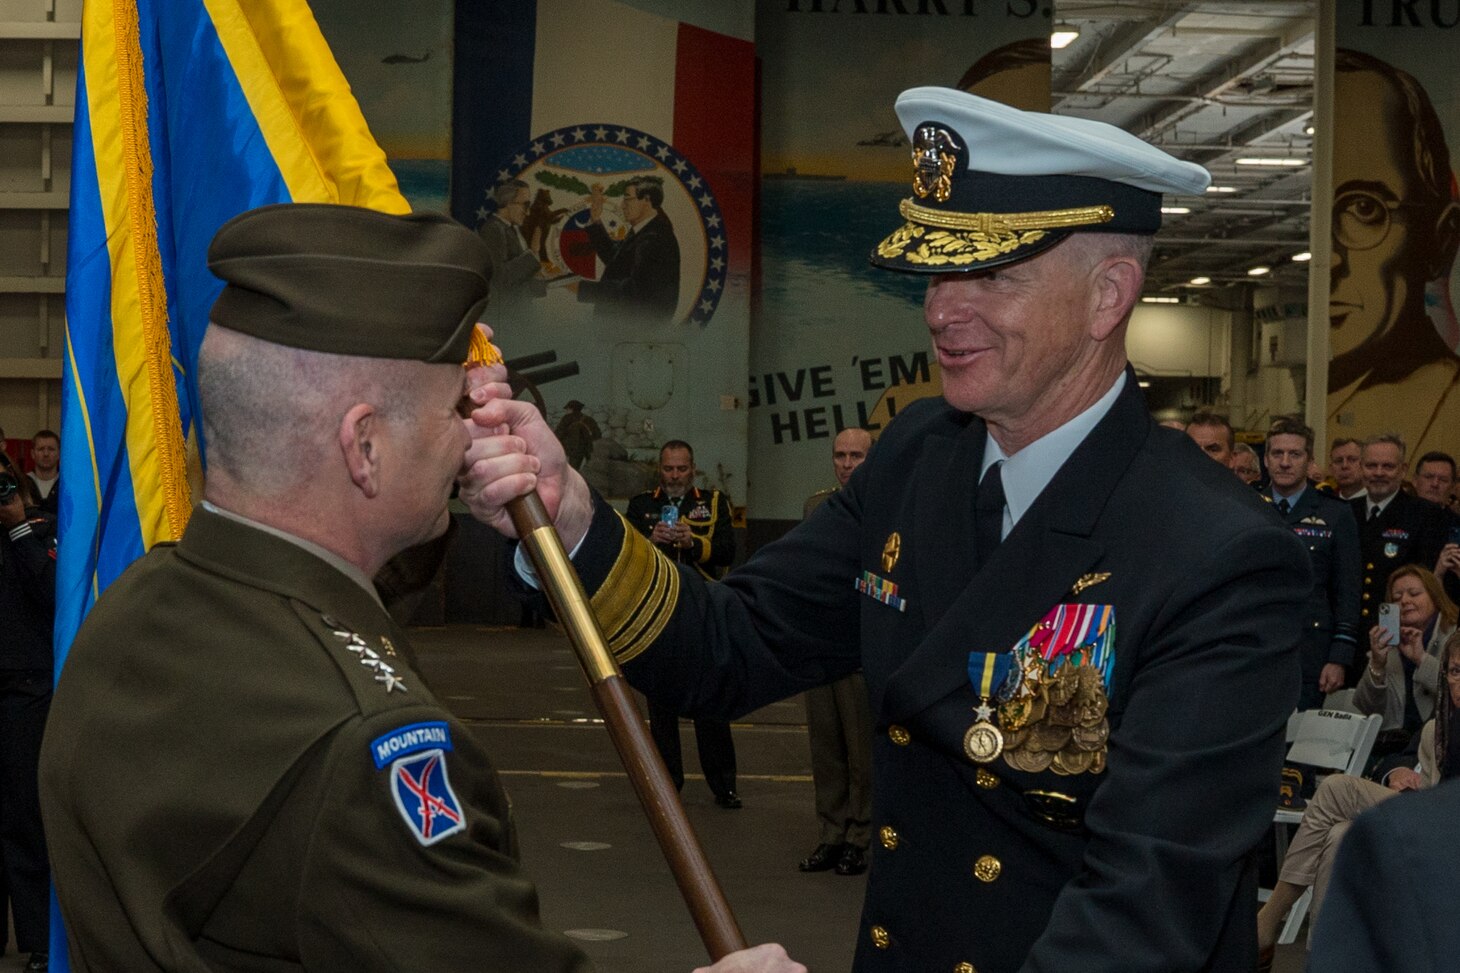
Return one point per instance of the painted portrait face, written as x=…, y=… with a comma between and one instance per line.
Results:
x=1382, y=220
x=516, y=211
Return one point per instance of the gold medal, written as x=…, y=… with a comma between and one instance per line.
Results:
x=983, y=742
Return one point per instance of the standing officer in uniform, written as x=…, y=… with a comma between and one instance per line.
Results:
x=27, y=607
x=1326, y=526
x=697, y=532
x=839, y=725
x=1395, y=529
x=1079, y=634
x=242, y=770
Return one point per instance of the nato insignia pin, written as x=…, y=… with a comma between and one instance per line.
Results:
x=891, y=551
x=1391, y=549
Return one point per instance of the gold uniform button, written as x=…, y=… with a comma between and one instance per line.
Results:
x=898, y=735
x=1370, y=566
x=987, y=868
x=888, y=836
x=986, y=778
x=964, y=968
x=880, y=938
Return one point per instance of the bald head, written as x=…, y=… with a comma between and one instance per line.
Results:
x=848, y=451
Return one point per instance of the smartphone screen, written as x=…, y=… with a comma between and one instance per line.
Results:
x=1455, y=534
x=1389, y=621
x=669, y=514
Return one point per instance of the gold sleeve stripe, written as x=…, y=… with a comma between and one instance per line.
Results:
x=1050, y=219
x=637, y=598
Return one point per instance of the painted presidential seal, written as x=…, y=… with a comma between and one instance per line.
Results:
x=587, y=198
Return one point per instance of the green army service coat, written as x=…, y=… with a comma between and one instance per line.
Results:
x=243, y=772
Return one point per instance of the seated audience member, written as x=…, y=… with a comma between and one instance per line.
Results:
x=1213, y=433
x=45, y=478
x=1342, y=797
x=1344, y=469
x=1400, y=681
x=1434, y=477
x=1246, y=464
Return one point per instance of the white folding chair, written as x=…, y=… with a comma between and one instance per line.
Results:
x=1337, y=740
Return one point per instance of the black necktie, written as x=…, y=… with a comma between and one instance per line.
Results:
x=1283, y=506
x=989, y=512
x=1374, y=512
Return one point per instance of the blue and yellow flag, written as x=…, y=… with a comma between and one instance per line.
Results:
x=188, y=112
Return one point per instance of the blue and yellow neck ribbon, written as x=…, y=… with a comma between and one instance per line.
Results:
x=988, y=670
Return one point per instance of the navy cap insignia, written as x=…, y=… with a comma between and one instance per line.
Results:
x=935, y=158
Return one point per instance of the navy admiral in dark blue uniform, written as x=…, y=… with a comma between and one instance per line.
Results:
x=1326, y=527
x=1079, y=635
x=1395, y=528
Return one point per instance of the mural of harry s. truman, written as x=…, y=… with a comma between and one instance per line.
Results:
x=1396, y=226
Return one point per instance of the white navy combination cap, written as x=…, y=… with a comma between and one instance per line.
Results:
x=993, y=185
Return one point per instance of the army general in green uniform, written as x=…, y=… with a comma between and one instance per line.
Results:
x=242, y=771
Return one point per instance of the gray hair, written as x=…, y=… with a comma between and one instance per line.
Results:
x=1392, y=438
x=506, y=191
x=271, y=413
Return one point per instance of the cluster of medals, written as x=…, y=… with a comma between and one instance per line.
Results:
x=1049, y=693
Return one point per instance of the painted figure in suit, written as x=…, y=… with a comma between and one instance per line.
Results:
x=242, y=770
x=515, y=271
x=641, y=271
x=1080, y=669
x=839, y=726
x=1326, y=526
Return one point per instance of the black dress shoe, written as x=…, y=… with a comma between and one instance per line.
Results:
x=729, y=800
x=853, y=861
x=38, y=963
x=824, y=858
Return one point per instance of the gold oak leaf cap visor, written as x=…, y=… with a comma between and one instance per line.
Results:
x=993, y=184
x=351, y=281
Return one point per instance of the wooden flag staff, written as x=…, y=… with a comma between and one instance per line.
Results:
x=707, y=905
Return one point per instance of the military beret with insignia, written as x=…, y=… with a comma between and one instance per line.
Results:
x=351, y=281
x=993, y=184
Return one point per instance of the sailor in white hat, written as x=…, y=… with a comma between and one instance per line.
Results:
x=1078, y=633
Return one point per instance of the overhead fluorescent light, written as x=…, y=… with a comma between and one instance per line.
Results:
x=1062, y=36
x=1221, y=189
x=1271, y=162
x=1259, y=271
x=1199, y=281
x=1176, y=210
x=1302, y=257
x=1160, y=300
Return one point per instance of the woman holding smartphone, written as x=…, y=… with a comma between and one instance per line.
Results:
x=1402, y=677
x=1341, y=798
